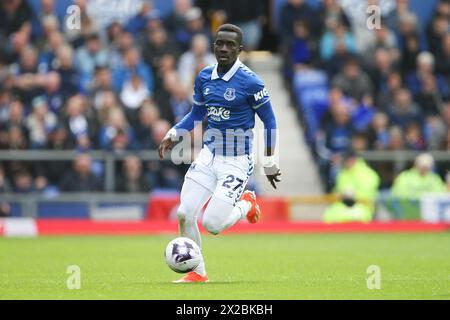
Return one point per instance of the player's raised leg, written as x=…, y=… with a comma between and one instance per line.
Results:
x=229, y=204
x=221, y=214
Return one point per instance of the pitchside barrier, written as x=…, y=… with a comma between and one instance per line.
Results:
x=161, y=206
x=144, y=214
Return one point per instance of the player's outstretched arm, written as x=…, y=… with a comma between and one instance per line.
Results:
x=186, y=124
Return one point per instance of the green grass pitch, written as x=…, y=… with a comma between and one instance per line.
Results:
x=307, y=266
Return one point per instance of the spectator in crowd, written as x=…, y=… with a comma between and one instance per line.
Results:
x=335, y=40
x=438, y=28
x=179, y=103
x=5, y=186
x=443, y=67
x=329, y=12
x=11, y=48
x=16, y=16
x=194, y=24
x=106, y=102
x=410, y=52
x=404, y=110
x=353, y=81
x=48, y=53
x=132, y=179
x=138, y=23
x=434, y=132
x=16, y=116
x=133, y=94
x=40, y=123
x=52, y=92
x=292, y=11
x=359, y=142
x=157, y=45
x=27, y=81
x=50, y=173
x=429, y=98
x=383, y=66
x=194, y=60
x=425, y=69
x=414, y=139
x=47, y=11
x=358, y=176
x=68, y=74
x=80, y=127
x=23, y=182
x=81, y=178
x=119, y=42
x=117, y=134
x=347, y=209
x=299, y=50
x=409, y=27
x=101, y=84
x=90, y=55
x=132, y=64
x=247, y=14
x=177, y=18
x=396, y=140
x=384, y=39
x=379, y=132
x=148, y=116
x=385, y=96
x=420, y=179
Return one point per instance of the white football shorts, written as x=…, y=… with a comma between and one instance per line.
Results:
x=225, y=176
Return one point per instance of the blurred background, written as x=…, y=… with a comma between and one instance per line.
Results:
x=88, y=92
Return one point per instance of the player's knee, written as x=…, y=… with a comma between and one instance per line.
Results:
x=182, y=214
x=211, y=226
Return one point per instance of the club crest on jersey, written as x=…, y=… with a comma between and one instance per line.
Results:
x=230, y=94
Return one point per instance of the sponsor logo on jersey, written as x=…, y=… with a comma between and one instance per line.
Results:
x=230, y=94
x=206, y=91
x=218, y=113
x=261, y=94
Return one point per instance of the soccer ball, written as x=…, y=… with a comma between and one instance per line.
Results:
x=183, y=255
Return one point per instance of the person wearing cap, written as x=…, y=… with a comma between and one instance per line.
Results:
x=412, y=183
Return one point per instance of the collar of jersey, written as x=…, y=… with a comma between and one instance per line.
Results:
x=230, y=72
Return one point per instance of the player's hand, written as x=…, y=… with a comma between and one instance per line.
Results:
x=167, y=142
x=165, y=145
x=272, y=174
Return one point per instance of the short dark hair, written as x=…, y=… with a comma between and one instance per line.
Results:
x=228, y=27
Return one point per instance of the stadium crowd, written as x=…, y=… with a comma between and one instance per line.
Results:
x=120, y=86
x=115, y=87
x=360, y=89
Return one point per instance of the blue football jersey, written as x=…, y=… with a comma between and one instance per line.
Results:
x=231, y=101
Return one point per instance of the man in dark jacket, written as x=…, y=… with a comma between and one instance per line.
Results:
x=81, y=178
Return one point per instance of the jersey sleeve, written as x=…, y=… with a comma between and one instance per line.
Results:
x=257, y=93
x=198, y=98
